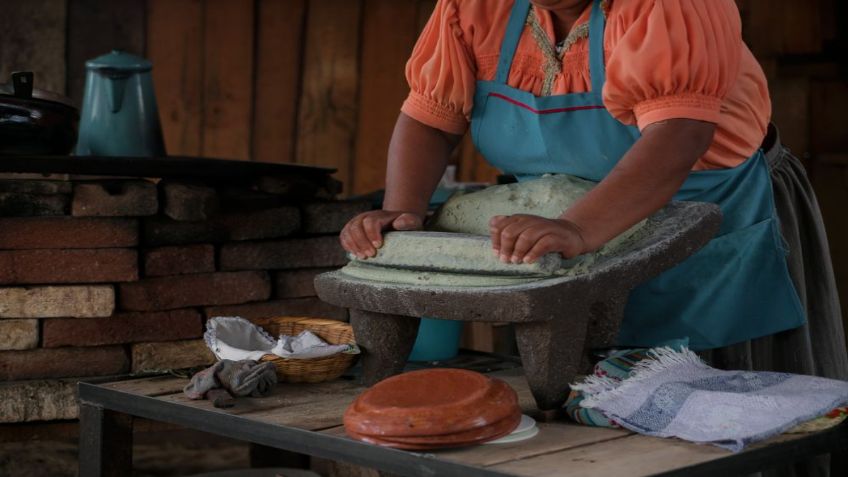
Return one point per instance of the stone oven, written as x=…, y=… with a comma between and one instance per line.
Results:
x=111, y=275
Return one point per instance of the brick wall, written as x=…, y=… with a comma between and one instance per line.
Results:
x=109, y=277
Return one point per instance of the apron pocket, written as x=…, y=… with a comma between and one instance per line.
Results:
x=735, y=288
x=723, y=256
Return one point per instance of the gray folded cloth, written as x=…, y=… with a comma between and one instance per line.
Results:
x=237, y=378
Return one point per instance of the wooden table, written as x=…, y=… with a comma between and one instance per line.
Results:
x=307, y=418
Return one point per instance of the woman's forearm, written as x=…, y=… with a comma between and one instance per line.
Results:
x=418, y=155
x=645, y=179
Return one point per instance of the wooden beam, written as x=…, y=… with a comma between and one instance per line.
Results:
x=389, y=31
x=228, y=78
x=32, y=38
x=279, y=51
x=829, y=100
x=802, y=27
x=329, y=100
x=175, y=46
x=95, y=28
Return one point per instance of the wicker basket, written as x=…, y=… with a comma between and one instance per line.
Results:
x=310, y=370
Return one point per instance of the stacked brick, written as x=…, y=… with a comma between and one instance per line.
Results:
x=109, y=277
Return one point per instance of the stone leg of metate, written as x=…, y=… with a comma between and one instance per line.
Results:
x=605, y=318
x=551, y=353
x=386, y=341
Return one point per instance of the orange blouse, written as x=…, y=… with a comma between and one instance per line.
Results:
x=665, y=59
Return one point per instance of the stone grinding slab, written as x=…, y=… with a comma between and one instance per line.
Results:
x=556, y=319
x=671, y=235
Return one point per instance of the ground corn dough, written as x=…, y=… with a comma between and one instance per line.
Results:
x=548, y=196
x=447, y=256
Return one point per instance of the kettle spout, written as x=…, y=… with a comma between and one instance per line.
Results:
x=115, y=86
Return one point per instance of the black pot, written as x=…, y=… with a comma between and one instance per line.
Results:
x=35, y=122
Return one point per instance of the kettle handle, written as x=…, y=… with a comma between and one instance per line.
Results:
x=115, y=86
x=22, y=84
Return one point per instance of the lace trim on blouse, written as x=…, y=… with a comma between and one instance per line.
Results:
x=554, y=53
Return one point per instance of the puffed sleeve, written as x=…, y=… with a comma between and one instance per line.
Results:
x=673, y=59
x=441, y=73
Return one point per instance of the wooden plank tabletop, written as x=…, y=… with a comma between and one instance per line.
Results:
x=561, y=448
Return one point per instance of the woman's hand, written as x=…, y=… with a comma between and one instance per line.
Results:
x=524, y=238
x=418, y=155
x=363, y=235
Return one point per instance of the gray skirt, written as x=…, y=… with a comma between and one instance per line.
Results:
x=817, y=348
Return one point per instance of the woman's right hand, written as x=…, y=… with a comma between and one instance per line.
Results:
x=363, y=235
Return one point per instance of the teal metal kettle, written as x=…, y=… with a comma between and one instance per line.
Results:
x=119, y=114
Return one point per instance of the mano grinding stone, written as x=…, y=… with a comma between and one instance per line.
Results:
x=453, y=253
x=361, y=270
x=456, y=250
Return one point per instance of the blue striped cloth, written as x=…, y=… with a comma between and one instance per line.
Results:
x=672, y=393
x=616, y=367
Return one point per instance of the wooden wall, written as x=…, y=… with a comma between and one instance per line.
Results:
x=307, y=81
x=321, y=81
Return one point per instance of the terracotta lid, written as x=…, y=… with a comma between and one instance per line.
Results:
x=431, y=402
x=460, y=439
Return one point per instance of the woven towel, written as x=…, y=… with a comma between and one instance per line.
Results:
x=675, y=394
x=617, y=366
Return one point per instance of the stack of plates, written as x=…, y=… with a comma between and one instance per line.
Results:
x=434, y=408
x=527, y=429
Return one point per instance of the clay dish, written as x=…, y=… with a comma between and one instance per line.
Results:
x=460, y=439
x=495, y=405
x=472, y=436
x=431, y=403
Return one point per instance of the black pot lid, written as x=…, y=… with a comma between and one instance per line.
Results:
x=28, y=92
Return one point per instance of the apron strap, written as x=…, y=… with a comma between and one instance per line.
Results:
x=514, y=28
x=597, y=69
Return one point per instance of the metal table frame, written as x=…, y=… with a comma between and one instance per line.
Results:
x=106, y=441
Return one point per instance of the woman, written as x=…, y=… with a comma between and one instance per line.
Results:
x=656, y=100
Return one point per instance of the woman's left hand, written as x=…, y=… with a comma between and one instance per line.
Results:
x=524, y=238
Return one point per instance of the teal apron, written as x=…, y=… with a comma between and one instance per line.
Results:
x=734, y=289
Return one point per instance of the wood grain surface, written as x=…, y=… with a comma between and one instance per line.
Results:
x=228, y=78
x=560, y=448
x=96, y=27
x=32, y=38
x=330, y=86
x=279, y=49
x=175, y=46
x=389, y=31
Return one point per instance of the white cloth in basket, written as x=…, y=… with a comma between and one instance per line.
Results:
x=235, y=338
